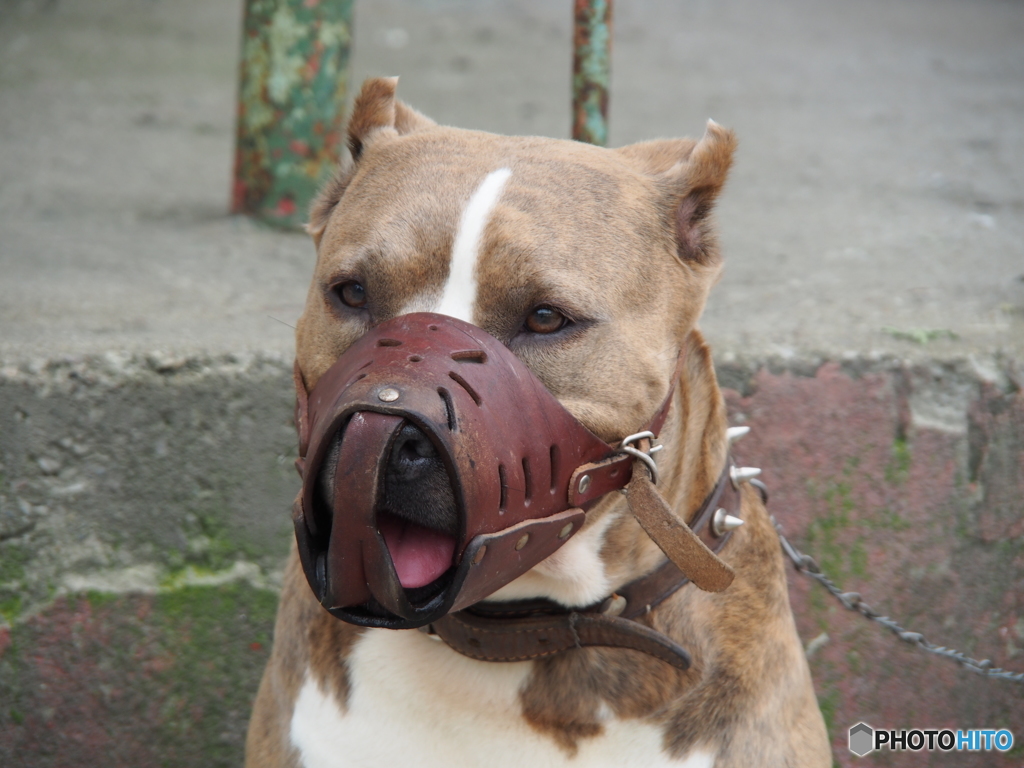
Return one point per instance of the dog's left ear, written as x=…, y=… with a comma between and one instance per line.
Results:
x=691, y=175
x=376, y=114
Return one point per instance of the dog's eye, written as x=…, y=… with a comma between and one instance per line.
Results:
x=352, y=294
x=545, y=320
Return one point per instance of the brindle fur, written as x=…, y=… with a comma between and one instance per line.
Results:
x=624, y=239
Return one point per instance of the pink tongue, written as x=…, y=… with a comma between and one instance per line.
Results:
x=420, y=555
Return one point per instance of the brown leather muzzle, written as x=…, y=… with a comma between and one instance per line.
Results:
x=509, y=448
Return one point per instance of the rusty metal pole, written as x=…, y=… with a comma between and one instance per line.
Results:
x=292, y=88
x=591, y=67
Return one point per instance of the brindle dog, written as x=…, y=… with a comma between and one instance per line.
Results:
x=592, y=265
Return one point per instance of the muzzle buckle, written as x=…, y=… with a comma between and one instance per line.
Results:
x=646, y=456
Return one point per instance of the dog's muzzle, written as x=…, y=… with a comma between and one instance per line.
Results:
x=436, y=468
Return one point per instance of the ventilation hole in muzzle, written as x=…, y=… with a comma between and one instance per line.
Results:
x=354, y=379
x=389, y=343
x=470, y=356
x=503, y=482
x=465, y=385
x=414, y=358
x=449, y=407
x=527, y=480
x=553, y=454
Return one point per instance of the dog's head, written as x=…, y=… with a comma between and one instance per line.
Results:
x=590, y=265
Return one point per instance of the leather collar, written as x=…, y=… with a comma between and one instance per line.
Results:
x=531, y=629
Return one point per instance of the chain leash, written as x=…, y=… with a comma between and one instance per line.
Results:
x=806, y=565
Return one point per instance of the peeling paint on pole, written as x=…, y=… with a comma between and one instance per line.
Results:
x=591, y=67
x=292, y=89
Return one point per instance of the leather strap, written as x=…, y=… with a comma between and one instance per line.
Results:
x=675, y=538
x=528, y=638
x=531, y=629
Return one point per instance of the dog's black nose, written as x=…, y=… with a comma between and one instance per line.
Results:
x=416, y=485
x=412, y=455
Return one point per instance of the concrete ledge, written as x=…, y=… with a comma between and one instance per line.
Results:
x=127, y=474
x=134, y=483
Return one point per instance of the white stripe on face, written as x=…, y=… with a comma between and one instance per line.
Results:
x=459, y=296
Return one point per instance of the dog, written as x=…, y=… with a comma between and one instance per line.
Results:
x=591, y=266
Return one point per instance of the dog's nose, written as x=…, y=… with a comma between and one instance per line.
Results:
x=413, y=456
x=416, y=484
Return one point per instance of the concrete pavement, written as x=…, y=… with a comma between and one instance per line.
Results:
x=879, y=184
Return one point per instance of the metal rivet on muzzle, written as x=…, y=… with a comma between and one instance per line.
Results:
x=566, y=530
x=584, y=483
x=522, y=541
x=388, y=395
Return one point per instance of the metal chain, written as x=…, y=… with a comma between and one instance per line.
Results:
x=806, y=565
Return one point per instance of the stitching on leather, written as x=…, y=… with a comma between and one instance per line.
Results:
x=481, y=657
x=473, y=629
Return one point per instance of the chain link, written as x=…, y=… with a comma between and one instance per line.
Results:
x=806, y=565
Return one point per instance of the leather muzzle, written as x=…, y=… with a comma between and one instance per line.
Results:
x=508, y=447
x=518, y=469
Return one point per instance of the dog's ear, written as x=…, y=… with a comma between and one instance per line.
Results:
x=691, y=175
x=378, y=113
x=375, y=114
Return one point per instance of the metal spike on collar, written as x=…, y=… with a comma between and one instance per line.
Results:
x=732, y=434
x=740, y=475
x=723, y=522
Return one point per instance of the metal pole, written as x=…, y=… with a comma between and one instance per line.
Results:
x=292, y=88
x=591, y=65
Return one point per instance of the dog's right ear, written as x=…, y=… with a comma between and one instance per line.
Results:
x=376, y=114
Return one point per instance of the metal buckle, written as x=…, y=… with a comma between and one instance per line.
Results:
x=647, y=457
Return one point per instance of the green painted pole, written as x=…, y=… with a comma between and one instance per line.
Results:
x=292, y=88
x=591, y=67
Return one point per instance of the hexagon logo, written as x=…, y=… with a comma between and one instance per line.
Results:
x=862, y=737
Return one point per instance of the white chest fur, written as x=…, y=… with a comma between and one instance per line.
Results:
x=415, y=702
